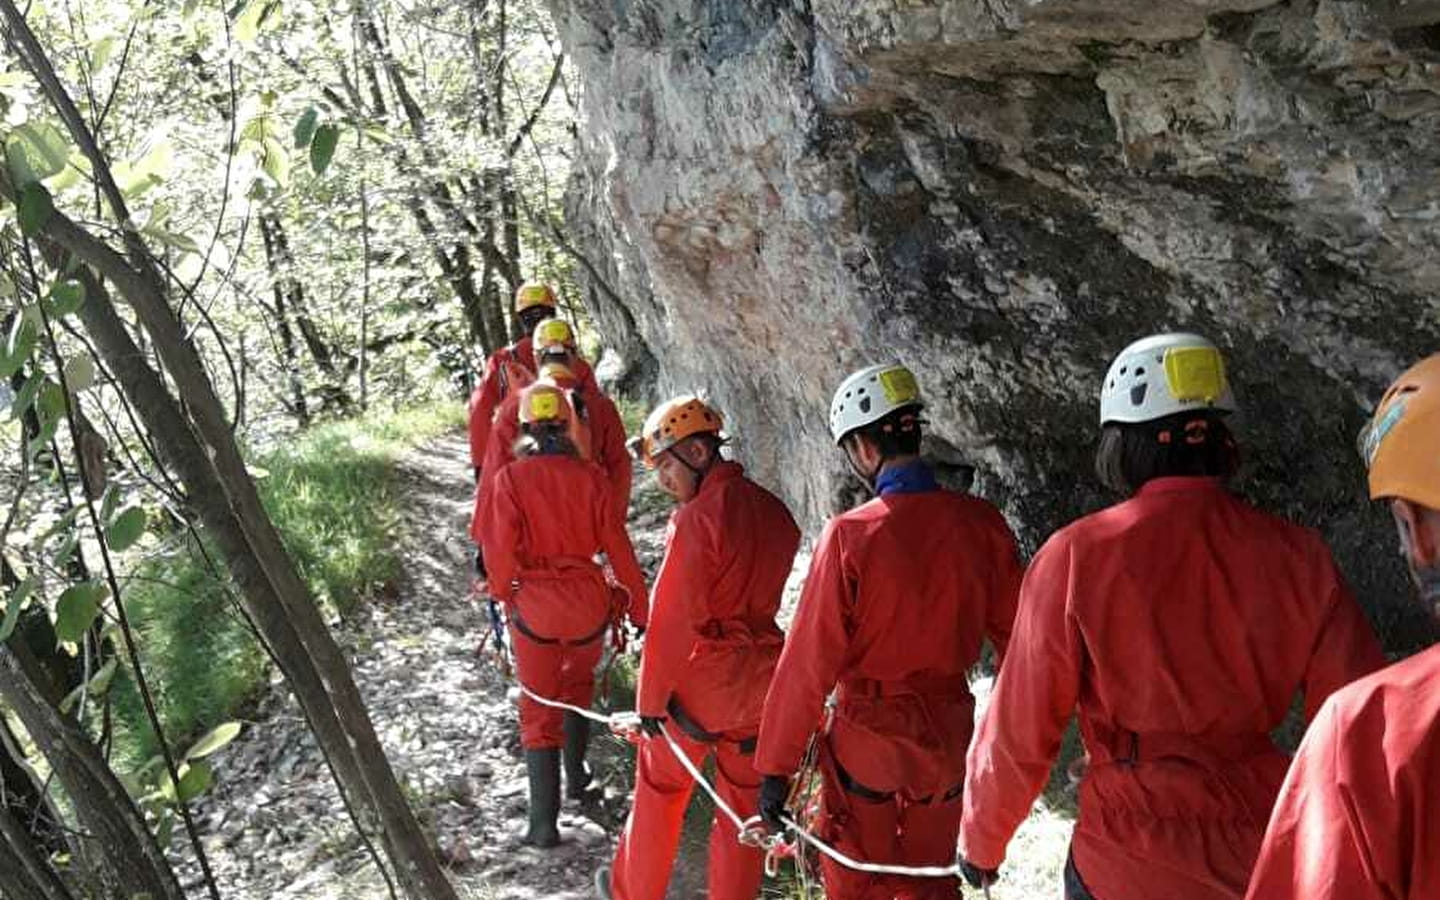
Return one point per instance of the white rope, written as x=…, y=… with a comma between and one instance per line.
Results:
x=748, y=831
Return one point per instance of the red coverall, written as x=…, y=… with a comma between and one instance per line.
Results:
x=900, y=593
x=550, y=515
x=1180, y=623
x=506, y=371
x=709, y=654
x=607, y=449
x=1359, y=815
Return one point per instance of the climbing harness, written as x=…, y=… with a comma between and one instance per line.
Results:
x=751, y=832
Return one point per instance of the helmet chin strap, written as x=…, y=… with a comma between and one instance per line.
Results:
x=867, y=480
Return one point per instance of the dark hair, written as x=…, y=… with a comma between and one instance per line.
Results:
x=544, y=439
x=1198, y=443
x=896, y=434
x=532, y=316
x=710, y=439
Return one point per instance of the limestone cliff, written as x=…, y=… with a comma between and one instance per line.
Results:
x=1003, y=193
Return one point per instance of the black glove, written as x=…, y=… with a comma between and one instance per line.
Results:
x=774, y=792
x=977, y=877
x=477, y=474
x=652, y=725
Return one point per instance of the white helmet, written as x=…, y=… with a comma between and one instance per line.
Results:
x=870, y=395
x=1162, y=375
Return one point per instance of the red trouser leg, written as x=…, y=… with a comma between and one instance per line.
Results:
x=539, y=666
x=735, y=870
x=652, y=833
x=863, y=830
x=577, y=673
x=928, y=833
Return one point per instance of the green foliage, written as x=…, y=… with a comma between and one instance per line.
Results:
x=333, y=496
x=322, y=147
x=77, y=609
x=127, y=528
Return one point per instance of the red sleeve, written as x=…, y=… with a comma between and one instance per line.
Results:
x=498, y=454
x=1345, y=649
x=815, y=650
x=502, y=536
x=482, y=410
x=612, y=455
x=615, y=541
x=1034, y=697
x=1000, y=614
x=686, y=572
x=1315, y=847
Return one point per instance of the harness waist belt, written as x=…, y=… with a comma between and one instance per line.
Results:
x=526, y=630
x=697, y=732
x=1126, y=747
x=937, y=686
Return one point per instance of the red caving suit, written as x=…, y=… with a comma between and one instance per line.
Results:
x=901, y=592
x=549, y=517
x=607, y=449
x=1359, y=815
x=507, y=371
x=1180, y=623
x=709, y=654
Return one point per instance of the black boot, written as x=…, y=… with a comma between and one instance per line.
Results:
x=543, y=767
x=577, y=773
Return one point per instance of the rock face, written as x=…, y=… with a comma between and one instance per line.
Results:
x=1001, y=194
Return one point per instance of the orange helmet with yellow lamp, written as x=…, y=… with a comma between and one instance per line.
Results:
x=554, y=336
x=672, y=422
x=1401, y=445
x=532, y=294
x=543, y=403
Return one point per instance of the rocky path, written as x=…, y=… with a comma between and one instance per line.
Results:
x=274, y=825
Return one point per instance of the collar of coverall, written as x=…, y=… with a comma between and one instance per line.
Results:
x=1172, y=484
x=912, y=478
x=721, y=470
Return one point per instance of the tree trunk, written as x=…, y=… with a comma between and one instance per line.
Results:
x=135, y=865
x=181, y=450
x=290, y=360
x=25, y=868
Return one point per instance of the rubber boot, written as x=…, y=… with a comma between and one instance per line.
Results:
x=603, y=889
x=577, y=774
x=543, y=767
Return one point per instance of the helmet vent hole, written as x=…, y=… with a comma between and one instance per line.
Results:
x=1124, y=369
x=1137, y=394
x=865, y=405
x=1140, y=371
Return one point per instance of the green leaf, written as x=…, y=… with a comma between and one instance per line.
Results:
x=42, y=440
x=34, y=151
x=216, y=739
x=80, y=373
x=101, y=51
x=275, y=160
x=258, y=16
x=26, y=395
x=76, y=610
x=66, y=297
x=305, y=128
x=14, y=605
x=52, y=400
x=195, y=780
x=322, y=148
x=127, y=528
x=66, y=550
x=18, y=346
x=152, y=168
x=35, y=208
x=96, y=687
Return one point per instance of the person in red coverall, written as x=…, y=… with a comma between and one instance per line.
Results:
x=1359, y=814
x=1179, y=625
x=901, y=592
x=549, y=516
x=507, y=372
x=709, y=653
x=598, y=421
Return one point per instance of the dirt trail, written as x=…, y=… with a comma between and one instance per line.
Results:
x=275, y=827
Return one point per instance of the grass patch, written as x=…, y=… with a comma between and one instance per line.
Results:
x=333, y=495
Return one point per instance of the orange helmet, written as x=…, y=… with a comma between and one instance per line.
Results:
x=1401, y=445
x=672, y=422
x=544, y=403
x=533, y=293
x=553, y=334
